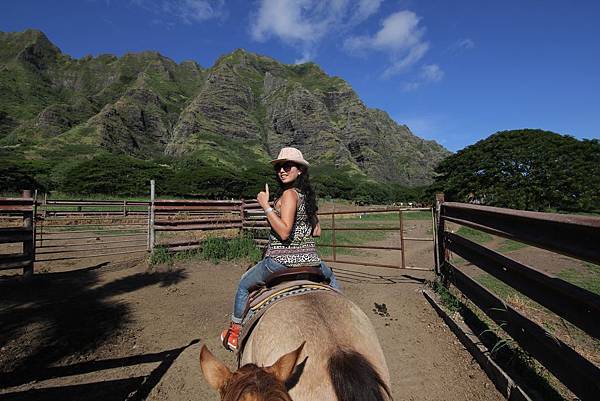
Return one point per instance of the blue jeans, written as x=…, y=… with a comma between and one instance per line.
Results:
x=258, y=274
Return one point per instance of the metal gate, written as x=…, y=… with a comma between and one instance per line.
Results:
x=90, y=229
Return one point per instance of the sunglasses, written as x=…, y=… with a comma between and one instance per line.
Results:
x=285, y=166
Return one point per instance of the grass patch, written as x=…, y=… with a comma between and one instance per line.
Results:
x=214, y=249
x=498, y=287
x=510, y=246
x=474, y=235
x=417, y=215
x=587, y=278
x=347, y=238
x=160, y=256
x=448, y=300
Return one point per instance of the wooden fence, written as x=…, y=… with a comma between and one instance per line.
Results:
x=575, y=236
x=67, y=229
x=21, y=211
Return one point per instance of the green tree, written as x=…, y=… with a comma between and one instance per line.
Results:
x=524, y=169
x=112, y=174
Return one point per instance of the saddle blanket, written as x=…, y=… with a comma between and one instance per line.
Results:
x=262, y=300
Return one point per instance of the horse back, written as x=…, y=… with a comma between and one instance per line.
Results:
x=337, y=333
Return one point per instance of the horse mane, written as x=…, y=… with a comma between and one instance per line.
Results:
x=355, y=379
x=250, y=379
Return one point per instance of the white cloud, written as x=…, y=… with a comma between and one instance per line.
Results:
x=287, y=20
x=410, y=86
x=461, y=45
x=432, y=73
x=188, y=11
x=364, y=9
x=304, y=23
x=400, y=36
x=428, y=74
x=195, y=10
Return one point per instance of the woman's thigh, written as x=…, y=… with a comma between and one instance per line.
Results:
x=259, y=272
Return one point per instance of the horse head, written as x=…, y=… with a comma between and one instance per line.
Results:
x=250, y=382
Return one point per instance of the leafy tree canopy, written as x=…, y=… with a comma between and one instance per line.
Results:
x=527, y=169
x=122, y=175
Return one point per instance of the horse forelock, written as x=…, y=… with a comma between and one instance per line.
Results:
x=252, y=383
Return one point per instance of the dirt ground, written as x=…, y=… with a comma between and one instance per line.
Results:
x=121, y=331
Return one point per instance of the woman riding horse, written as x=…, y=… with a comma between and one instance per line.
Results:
x=337, y=355
x=294, y=224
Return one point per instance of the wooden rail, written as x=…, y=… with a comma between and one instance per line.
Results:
x=576, y=236
x=201, y=215
x=25, y=234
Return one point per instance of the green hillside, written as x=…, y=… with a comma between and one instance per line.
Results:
x=58, y=113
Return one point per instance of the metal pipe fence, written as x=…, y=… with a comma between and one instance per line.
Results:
x=399, y=229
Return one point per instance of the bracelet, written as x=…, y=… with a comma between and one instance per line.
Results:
x=268, y=210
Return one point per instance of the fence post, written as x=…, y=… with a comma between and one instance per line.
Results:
x=403, y=265
x=334, y=247
x=434, y=238
x=242, y=216
x=151, y=218
x=440, y=246
x=45, y=204
x=29, y=245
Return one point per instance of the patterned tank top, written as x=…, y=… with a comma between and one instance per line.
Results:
x=299, y=249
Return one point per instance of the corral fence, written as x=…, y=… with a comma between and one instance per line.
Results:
x=56, y=230
x=88, y=229
x=402, y=241
x=255, y=221
x=571, y=235
x=18, y=233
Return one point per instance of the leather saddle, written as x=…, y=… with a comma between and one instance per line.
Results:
x=283, y=284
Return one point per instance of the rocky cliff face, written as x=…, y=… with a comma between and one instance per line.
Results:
x=148, y=106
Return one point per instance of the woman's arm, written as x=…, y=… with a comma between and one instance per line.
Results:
x=317, y=230
x=281, y=225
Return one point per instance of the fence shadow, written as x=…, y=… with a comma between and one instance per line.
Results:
x=57, y=315
x=133, y=389
x=356, y=276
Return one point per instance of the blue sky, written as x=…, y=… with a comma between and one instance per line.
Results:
x=453, y=71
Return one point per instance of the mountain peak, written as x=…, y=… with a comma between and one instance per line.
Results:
x=31, y=46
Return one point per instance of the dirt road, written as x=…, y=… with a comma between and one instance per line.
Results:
x=120, y=332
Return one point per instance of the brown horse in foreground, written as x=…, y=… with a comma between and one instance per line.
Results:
x=339, y=358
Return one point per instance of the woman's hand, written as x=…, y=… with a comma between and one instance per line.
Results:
x=263, y=197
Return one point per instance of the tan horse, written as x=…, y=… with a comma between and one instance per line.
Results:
x=341, y=359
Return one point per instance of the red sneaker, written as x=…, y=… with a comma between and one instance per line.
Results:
x=230, y=336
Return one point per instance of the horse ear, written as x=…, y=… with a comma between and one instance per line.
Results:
x=214, y=371
x=283, y=368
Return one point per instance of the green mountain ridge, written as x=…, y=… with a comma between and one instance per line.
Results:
x=147, y=106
